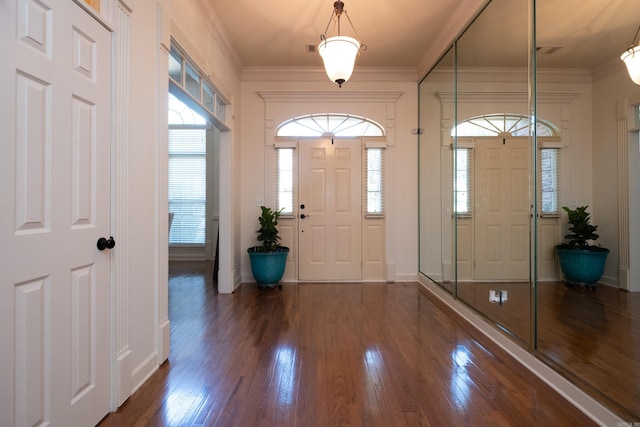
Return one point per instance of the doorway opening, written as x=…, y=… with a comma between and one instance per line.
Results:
x=192, y=177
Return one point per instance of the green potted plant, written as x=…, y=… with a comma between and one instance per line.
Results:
x=268, y=259
x=581, y=262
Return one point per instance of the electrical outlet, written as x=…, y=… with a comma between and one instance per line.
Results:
x=493, y=296
x=573, y=202
x=497, y=296
x=259, y=201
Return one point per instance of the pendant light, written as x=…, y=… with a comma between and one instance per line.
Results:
x=339, y=52
x=631, y=58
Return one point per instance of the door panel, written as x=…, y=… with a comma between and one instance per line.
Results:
x=330, y=189
x=501, y=210
x=54, y=294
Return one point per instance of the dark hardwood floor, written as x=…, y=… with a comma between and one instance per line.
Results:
x=593, y=336
x=328, y=355
x=590, y=335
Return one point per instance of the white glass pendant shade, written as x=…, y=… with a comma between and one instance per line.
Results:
x=339, y=56
x=631, y=58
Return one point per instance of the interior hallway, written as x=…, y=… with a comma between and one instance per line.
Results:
x=331, y=354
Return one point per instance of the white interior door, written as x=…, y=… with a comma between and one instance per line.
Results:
x=502, y=216
x=330, y=229
x=55, y=186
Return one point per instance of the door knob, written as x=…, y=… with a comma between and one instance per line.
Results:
x=106, y=243
x=303, y=216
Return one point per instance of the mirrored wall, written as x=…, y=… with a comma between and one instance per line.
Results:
x=518, y=121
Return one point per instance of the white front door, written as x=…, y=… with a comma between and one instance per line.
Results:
x=502, y=216
x=55, y=185
x=330, y=229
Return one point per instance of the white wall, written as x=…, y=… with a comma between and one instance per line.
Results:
x=142, y=262
x=401, y=202
x=612, y=86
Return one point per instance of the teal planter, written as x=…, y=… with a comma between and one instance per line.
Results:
x=582, y=266
x=268, y=267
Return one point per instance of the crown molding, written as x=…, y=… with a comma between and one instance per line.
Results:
x=218, y=32
x=480, y=97
x=502, y=75
x=454, y=27
x=323, y=95
x=609, y=68
x=317, y=74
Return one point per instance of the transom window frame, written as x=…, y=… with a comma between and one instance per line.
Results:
x=196, y=90
x=330, y=125
x=502, y=124
x=506, y=125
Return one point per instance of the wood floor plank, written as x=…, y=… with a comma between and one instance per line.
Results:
x=331, y=354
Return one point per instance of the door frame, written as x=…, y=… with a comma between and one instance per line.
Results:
x=380, y=106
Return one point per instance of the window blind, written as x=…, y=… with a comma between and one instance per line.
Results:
x=284, y=179
x=549, y=184
x=187, y=185
x=462, y=185
x=374, y=191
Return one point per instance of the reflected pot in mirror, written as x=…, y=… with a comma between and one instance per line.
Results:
x=268, y=267
x=582, y=266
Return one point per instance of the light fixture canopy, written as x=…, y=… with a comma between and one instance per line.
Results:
x=339, y=52
x=631, y=58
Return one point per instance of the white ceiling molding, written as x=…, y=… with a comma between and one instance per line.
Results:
x=456, y=24
x=492, y=97
x=328, y=96
x=313, y=74
x=218, y=33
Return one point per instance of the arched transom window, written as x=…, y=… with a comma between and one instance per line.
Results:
x=505, y=125
x=329, y=125
x=501, y=125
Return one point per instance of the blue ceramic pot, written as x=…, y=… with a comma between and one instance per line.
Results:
x=582, y=266
x=268, y=267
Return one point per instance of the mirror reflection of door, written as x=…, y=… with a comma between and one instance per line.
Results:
x=502, y=216
x=330, y=228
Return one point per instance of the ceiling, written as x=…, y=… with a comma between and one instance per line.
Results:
x=277, y=33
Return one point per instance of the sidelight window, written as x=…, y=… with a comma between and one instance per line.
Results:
x=375, y=181
x=284, y=179
x=549, y=181
x=462, y=181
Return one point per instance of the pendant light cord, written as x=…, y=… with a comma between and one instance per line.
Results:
x=633, y=42
x=338, y=9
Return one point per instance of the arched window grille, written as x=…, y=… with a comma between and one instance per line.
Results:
x=501, y=125
x=181, y=114
x=506, y=125
x=329, y=125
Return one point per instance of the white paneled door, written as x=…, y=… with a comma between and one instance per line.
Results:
x=501, y=214
x=55, y=186
x=330, y=228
